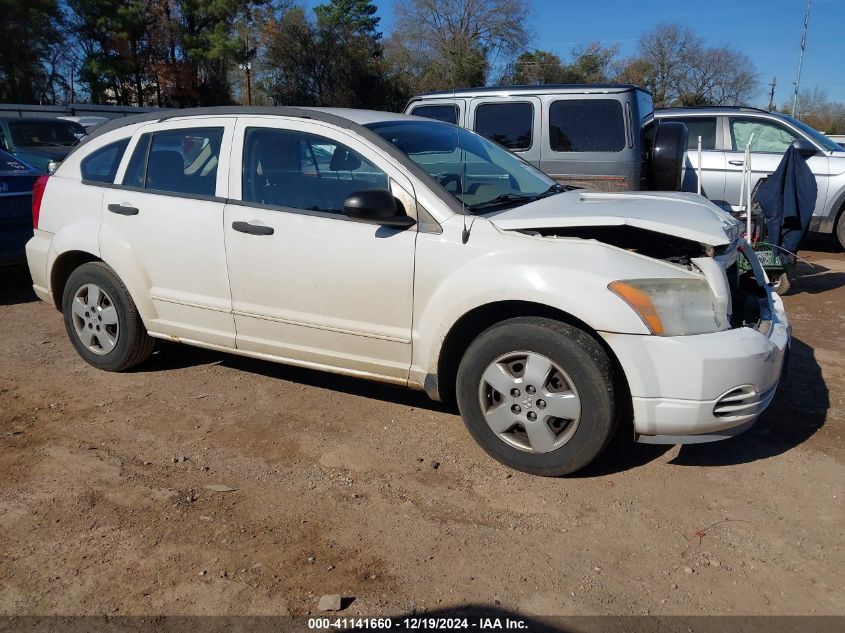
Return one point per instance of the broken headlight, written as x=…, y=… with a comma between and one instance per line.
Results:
x=670, y=307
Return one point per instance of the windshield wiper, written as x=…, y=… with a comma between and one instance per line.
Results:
x=510, y=198
x=505, y=198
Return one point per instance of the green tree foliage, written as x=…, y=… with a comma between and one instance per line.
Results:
x=334, y=58
x=590, y=64
x=29, y=31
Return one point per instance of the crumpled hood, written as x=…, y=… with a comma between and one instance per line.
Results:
x=685, y=215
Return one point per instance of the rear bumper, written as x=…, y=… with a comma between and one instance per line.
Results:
x=706, y=387
x=37, y=249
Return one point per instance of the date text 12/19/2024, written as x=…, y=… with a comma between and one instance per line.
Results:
x=418, y=623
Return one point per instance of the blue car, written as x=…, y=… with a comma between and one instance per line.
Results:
x=39, y=141
x=17, y=179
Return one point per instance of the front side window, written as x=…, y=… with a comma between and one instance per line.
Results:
x=298, y=170
x=508, y=124
x=177, y=161
x=446, y=113
x=768, y=137
x=101, y=166
x=480, y=174
x=586, y=125
x=705, y=127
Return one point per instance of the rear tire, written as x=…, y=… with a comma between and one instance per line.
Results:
x=537, y=395
x=102, y=321
x=840, y=229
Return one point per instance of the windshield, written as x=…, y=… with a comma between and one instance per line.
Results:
x=46, y=132
x=829, y=144
x=476, y=171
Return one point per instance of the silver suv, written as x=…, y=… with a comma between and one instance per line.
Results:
x=591, y=136
x=725, y=131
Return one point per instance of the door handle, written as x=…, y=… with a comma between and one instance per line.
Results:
x=121, y=209
x=252, y=229
x=738, y=163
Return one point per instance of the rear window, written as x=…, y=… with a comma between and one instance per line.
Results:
x=705, y=127
x=101, y=166
x=586, y=125
x=46, y=132
x=508, y=124
x=448, y=113
x=178, y=161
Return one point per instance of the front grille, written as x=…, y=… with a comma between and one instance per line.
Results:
x=742, y=404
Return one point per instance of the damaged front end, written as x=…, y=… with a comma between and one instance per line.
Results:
x=683, y=230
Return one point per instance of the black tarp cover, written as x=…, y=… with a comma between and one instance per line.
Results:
x=787, y=199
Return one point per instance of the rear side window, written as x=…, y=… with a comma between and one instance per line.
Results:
x=177, y=161
x=446, y=113
x=586, y=125
x=508, y=124
x=298, y=170
x=101, y=166
x=705, y=127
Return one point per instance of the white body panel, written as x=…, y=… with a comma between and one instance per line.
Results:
x=329, y=293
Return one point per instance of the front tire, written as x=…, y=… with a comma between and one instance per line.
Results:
x=537, y=395
x=102, y=321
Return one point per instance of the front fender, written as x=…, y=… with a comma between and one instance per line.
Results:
x=570, y=275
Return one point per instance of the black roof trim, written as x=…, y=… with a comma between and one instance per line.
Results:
x=534, y=88
x=716, y=107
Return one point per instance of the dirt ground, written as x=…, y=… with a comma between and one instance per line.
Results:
x=378, y=494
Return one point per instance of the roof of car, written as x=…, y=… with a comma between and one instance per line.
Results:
x=532, y=89
x=344, y=117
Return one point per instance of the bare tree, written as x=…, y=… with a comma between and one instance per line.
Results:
x=461, y=39
x=674, y=63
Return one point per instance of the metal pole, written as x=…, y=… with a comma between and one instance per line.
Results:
x=699, y=165
x=248, y=84
x=772, y=94
x=801, y=58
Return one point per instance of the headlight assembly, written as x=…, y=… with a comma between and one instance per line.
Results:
x=670, y=307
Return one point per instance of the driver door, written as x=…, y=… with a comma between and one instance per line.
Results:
x=309, y=285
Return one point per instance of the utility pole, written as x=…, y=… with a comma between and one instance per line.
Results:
x=801, y=58
x=772, y=94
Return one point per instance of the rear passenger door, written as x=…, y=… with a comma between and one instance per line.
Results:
x=712, y=158
x=309, y=285
x=162, y=227
x=513, y=123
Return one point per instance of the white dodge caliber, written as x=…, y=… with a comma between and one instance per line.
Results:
x=414, y=252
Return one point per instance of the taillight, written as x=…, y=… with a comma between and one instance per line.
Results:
x=37, y=194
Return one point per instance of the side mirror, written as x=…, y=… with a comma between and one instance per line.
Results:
x=376, y=206
x=805, y=147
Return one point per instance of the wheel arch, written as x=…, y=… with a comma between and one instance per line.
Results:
x=64, y=264
x=467, y=328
